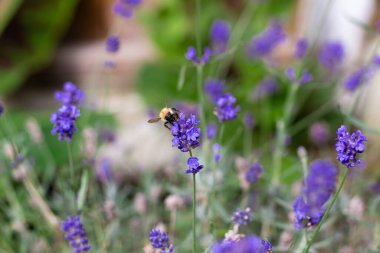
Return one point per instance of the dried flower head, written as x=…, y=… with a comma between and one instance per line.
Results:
x=75, y=234
x=348, y=146
x=174, y=202
x=34, y=130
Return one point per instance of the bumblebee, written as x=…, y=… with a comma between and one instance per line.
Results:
x=168, y=115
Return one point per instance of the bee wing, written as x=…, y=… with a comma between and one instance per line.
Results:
x=154, y=120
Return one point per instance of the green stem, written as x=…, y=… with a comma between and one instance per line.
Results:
x=194, y=212
x=71, y=166
x=201, y=96
x=198, y=26
x=331, y=204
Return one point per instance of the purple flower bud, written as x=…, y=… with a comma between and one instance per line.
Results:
x=216, y=148
x=1, y=108
x=191, y=55
x=266, y=87
x=331, y=56
x=263, y=45
x=64, y=121
x=112, y=44
x=249, y=121
x=210, y=131
x=249, y=243
x=75, y=234
x=122, y=10
x=220, y=35
x=242, y=217
x=214, y=89
x=253, y=173
x=306, y=77
x=226, y=110
x=70, y=95
x=360, y=76
x=194, y=166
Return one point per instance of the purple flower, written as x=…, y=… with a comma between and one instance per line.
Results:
x=225, y=108
x=242, y=217
x=348, y=146
x=112, y=44
x=70, y=95
x=214, y=89
x=318, y=187
x=216, y=148
x=1, y=108
x=306, y=77
x=319, y=133
x=159, y=240
x=357, y=78
x=220, y=35
x=263, y=45
x=253, y=173
x=194, y=166
x=64, y=121
x=210, y=131
x=266, y=87
x=331, y=56
x=187, y=108
x=248, y=244
x=75, y=234
x=109, y=64
x=301, y=48
x=191, y=55
x=122, y=10
x=186, y=133
x=376, y=60
x=132, y=2
x=249, y=121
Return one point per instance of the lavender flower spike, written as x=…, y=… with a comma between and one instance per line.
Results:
x=254, y=172
x=250, y=243
x=64, y=121
x=1, y=108
x=214, y=89
x=220, y=35
x=263, y=45
x=160, y=240
x=331, y=56
x=112, y=44
x=70, y=95
x=319, y=186
x=348, y=146
x=306, y=77
x=242, y=217
x=301, y=48
x=75, y=234
x=225, y=108
x=186, y=133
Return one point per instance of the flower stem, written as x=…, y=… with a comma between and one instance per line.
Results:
x=331, y=204
x=201, y=96
x=198, y=25
x=71, y=166
x=194, y=213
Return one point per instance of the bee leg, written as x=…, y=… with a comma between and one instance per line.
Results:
x=167, y=125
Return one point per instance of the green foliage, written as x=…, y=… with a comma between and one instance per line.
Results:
x=30, y=38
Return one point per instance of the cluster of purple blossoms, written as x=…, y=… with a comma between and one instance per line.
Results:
x=264, y=44
x=266, y=87
x=306, y=77
x=348, y=146
x=112, y=44
x=70, y=95
x=194, y=166
x=64, y=121
x=75, y=234
x=160, y=240
x=331, y=56
x=214, y=89
x=250, y=243
x=219, y=35
x=242, y=217
x=210, y=131
x=253, y=173
x=186, y=133
x=225, y=108
x=191, y=55
x=301, y=48
x=124, y=8
x=318, y=187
